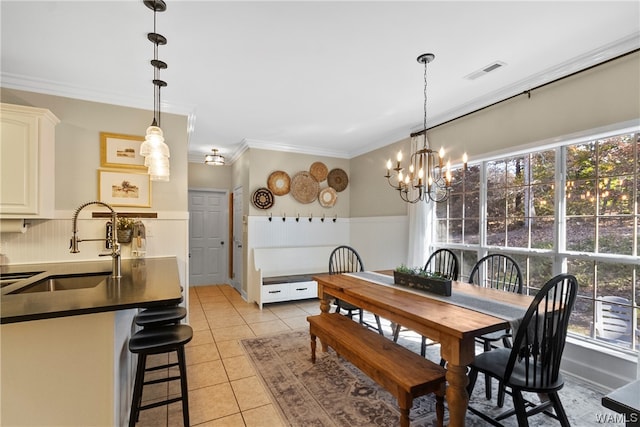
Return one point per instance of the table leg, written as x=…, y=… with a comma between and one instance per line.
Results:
x=456, y=394
x=325, y=302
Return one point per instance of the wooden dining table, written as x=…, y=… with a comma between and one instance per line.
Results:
x=453, y=326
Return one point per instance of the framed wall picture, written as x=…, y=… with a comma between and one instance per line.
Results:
x=121, y=188
x=121, y=151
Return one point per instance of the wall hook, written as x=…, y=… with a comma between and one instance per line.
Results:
x=310, y=217
x=298, y=218
x=284, y=217
x=270, y=216
x=335, y=217
x=322, y=219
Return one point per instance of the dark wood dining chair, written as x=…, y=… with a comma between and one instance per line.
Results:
x=445, y=263
x=533, y=363
x=345, y=259
x=496, y=271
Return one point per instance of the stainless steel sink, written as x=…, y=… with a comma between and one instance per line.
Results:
x=63, y=283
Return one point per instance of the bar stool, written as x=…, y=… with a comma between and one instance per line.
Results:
x=160, y=316
x=164, y=339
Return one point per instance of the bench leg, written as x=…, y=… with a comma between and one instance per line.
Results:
x=440, y=405
x=313, y=348
x=404, y=404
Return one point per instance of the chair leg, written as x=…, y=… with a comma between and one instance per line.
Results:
x=520, y=408
x=557, y=405
x=360, y=316
x=487, y=378
x=396, y=332
x=423, y=347
x=473, y=376
x=501, y=393
x=379, y=324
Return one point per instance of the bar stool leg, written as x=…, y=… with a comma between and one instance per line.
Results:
x=183, y=384
x=137, y=390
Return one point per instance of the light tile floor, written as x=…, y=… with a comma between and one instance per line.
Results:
x=224, y=390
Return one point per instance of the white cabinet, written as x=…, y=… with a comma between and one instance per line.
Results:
x=27, y=161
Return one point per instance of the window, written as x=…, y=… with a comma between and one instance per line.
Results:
x=589, y=228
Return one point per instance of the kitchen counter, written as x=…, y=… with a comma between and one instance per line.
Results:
x=144, y=283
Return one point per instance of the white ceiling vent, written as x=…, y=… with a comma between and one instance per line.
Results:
x=485, y=70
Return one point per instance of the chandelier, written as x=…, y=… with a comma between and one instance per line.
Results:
x=154, y=149
x=214, y=159
x=427, y=178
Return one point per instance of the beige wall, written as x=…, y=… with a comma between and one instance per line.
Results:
x=602, y=96
x=205, y=176
x=78, y=147
x=264, y=162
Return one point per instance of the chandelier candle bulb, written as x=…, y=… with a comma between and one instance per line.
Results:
x=441, y=153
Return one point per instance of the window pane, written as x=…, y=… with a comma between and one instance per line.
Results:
x=442, y=209
x=585, y=274
x=471, y=205
x=467, y=261
x=516, y=173
x=543, y=166
x=538, y=272
x=616, y=195
x=517, y=233
x=543, y=197
x=516, y=202
x=581, y=161
x=472, y=231
x=496, y=172
x=441, y=230
x=615, y=280
x=615, y=235
x=615, y=155
x=581, y=197
x=455, y=206
x=496, y=202
x=496, y=232
x=581, y=234
x=581, y=320
x=542, y=233
x=455, y=231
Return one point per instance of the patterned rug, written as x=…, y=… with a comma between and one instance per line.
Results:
x=335, y=393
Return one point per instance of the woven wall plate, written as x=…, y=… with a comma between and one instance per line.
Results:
x=319, y=171
x=304, y=187
x=262, y=198
x=338, y=179
x=327, y=197
x=279, y=183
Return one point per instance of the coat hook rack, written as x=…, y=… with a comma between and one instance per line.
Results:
x=298, y=218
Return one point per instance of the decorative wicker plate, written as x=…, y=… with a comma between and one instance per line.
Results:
x=327, y=197
x=279, y=183
x=304, y=187
x=319, y=171
x=338, y=179
x=262, y=198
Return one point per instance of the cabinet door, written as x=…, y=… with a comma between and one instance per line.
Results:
x=19, y=164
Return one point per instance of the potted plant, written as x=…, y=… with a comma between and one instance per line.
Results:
x=418, y=278
x=125, y=229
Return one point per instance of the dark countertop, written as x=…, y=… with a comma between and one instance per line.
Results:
x=144, y=283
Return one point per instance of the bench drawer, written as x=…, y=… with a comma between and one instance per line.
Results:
x=303, y=290
x=275, y=292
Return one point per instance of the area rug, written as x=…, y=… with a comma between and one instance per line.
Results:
x=335, y=393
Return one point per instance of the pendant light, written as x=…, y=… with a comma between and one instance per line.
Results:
x=154, y=149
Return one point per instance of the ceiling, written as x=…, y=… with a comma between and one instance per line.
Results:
x=330, y=78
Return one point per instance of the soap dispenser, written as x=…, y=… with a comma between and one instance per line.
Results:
x=139, y=240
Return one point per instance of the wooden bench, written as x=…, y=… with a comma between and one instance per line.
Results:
x=285, y=273
x=405, y=374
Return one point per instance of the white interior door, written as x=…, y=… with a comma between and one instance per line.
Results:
x=238, y=228
x=207, y=237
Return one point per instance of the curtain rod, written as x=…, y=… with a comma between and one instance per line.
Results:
x=528, y=91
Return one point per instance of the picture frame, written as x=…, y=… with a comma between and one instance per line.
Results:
x=121, y=151
x=122, y=188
